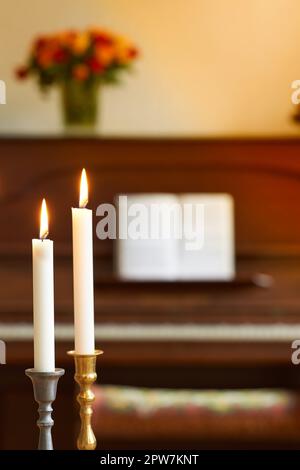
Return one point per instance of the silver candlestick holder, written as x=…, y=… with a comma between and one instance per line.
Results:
x=44, y=388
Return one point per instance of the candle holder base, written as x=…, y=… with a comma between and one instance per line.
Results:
x=85, y=376
x=44, y=388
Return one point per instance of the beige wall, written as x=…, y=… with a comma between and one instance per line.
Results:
x=209, y=67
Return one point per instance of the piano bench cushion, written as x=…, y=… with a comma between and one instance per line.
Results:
x=138, y=414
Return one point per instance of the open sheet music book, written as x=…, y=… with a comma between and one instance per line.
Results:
x=198, y=246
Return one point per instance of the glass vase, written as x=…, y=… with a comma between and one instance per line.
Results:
x=80, y=105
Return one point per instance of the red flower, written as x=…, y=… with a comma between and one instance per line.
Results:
x=40, y=43
x=102, y=39
x=22, y=73
x=60, y=56
x=95, y=66
x=133, y=52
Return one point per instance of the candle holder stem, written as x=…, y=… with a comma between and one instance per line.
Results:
x=44, y=388
x=85, y=376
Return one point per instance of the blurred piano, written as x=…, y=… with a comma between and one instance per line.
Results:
x=191, y=335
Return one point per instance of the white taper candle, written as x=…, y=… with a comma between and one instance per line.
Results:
x=43, y=298
x=83, y=285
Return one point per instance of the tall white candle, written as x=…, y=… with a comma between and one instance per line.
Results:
x=82, y=223
x=43, y=298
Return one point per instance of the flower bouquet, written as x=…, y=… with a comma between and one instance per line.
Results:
x=79, y=63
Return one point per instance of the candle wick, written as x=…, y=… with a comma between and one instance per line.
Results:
x=44, y=236
x=83, y=204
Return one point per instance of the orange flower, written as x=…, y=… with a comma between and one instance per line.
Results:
x=66, y=38
x=94, y=54
x=81, y=43
x=105, y=54
x=45, y=50
x=45, y=58
x=124, y=51
x=81, y=72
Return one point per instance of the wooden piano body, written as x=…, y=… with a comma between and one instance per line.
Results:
x=245, y=328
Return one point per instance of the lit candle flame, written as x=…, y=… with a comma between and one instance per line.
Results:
x=84, y=192
x=44, y=230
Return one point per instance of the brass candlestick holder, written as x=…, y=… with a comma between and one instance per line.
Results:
x=85, y=376
x=44, y=388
